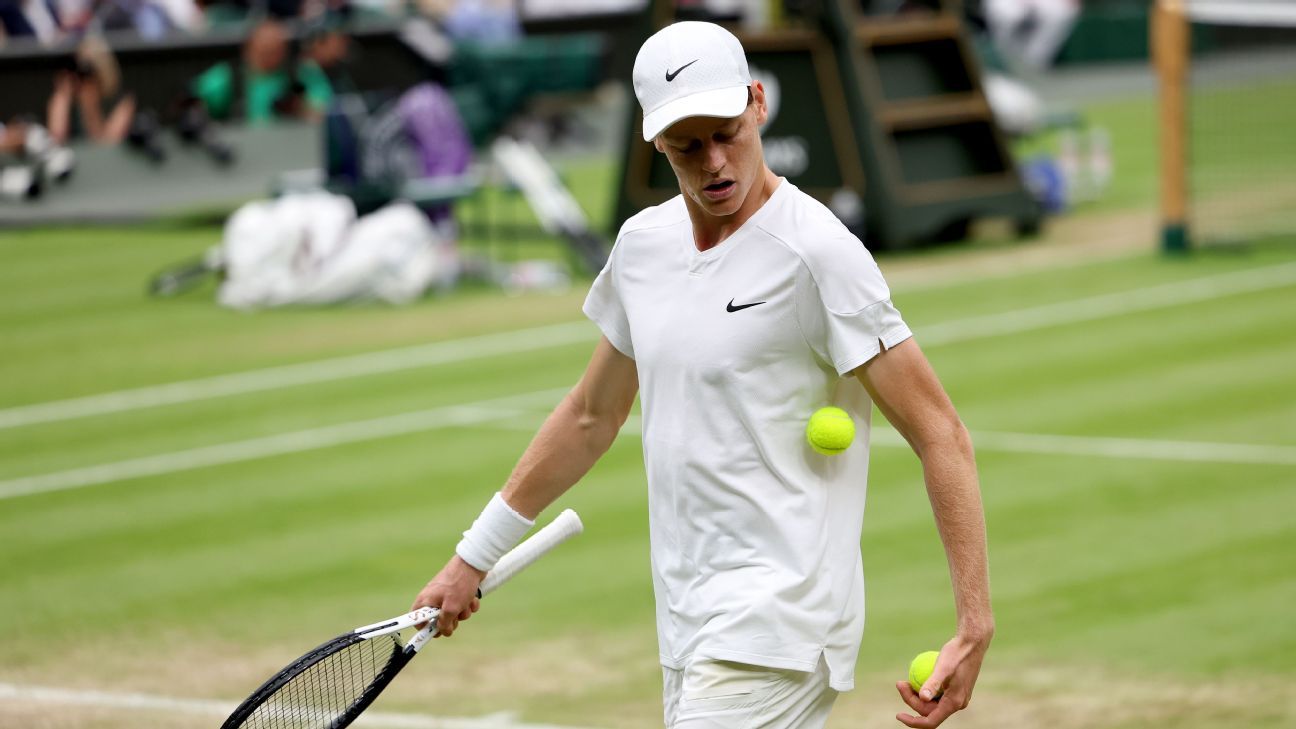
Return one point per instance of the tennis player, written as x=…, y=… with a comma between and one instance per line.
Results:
x=735, y=310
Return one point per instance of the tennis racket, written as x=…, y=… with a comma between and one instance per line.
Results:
x=187, y=275
x=330, y=686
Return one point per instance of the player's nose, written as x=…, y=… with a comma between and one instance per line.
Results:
x=713, y=158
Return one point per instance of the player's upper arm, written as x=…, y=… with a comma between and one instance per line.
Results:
x=607, y=390
x=905, y=387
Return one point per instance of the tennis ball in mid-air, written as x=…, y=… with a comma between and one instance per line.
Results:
x=921, y=669
x=830, y=431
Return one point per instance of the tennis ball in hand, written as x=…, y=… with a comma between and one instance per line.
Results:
x=921, y=669
x=830, y=431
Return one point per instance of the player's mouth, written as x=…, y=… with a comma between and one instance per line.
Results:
x=719, y=190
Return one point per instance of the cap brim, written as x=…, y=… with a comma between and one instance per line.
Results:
x=724, y=103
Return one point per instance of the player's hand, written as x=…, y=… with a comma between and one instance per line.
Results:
x=955, y=674
x=454, y=591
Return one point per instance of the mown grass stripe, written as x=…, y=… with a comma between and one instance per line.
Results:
x=373, y=363
x=495, y=411
x=960, y=330
x=274, y=445
x=1102, y=306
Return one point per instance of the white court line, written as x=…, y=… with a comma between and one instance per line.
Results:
x=1102, y=306
x=1151, y=297
x=279, y=444
x=221, y=709
x=1096, y=307
x=1011, y=322
x=326, y=370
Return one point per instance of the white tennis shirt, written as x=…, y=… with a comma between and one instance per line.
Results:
x=755, y=537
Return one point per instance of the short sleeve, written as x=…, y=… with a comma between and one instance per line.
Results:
x=263, y=90
x=319, y=91
x=215, y=88
x=844, y=305
x=604, y=307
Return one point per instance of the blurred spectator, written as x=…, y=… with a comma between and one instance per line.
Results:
x=184, y=15
x=74, y=16
x=325, y=45
x=151, y=19
x=484, y=21
x=17, y=181
x=265, y=85
x=36, y=19
x=1031, y=31
x=13, y=137
x=86, y=100
x=30, y=160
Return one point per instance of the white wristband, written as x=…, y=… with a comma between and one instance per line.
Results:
x=496, y=531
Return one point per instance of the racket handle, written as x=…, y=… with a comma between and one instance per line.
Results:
x=421, y=638
x=566, y=526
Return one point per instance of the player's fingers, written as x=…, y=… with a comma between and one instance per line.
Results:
x=475, y=605
x=447, y=621
x=935, y=684
x=911, y=697
x=932, y=690
x=932, y=720
x=465, y=614
x=427, y=597
x=435, y=613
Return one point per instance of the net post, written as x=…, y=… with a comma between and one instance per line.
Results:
x=1171, y=47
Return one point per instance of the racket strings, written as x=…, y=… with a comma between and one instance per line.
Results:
x=320, y=696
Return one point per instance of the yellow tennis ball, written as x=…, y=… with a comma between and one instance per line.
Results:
x=921, y=669
x=830, y=431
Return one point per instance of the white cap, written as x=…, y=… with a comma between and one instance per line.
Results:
x=690, y=69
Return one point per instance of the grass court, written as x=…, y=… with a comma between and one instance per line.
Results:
x=163, y=549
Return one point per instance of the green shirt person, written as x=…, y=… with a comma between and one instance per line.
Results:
x=263, y=94
x=268, y=88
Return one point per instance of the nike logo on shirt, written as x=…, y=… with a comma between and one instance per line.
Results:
x=731, y=308
x=671, y=76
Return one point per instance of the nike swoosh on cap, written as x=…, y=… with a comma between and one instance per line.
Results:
x=671, y=76
x=731, y=308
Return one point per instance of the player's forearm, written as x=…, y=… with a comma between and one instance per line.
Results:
x=566, y=447
x=949, y=469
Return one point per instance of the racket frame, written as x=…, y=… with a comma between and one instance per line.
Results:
x=565, y=526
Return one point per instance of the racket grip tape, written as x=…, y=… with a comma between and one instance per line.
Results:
x=562, y=528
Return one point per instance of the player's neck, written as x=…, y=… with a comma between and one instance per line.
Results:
x=710, y=231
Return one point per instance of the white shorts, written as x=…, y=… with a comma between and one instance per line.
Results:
x=725, y=695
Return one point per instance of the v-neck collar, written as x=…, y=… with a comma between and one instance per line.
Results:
x=743, y=230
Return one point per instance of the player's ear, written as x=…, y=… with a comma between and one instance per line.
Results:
x=657, y=144
x=758, y=100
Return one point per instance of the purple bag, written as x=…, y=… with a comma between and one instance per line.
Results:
x=433, y=124
x=419, y=135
